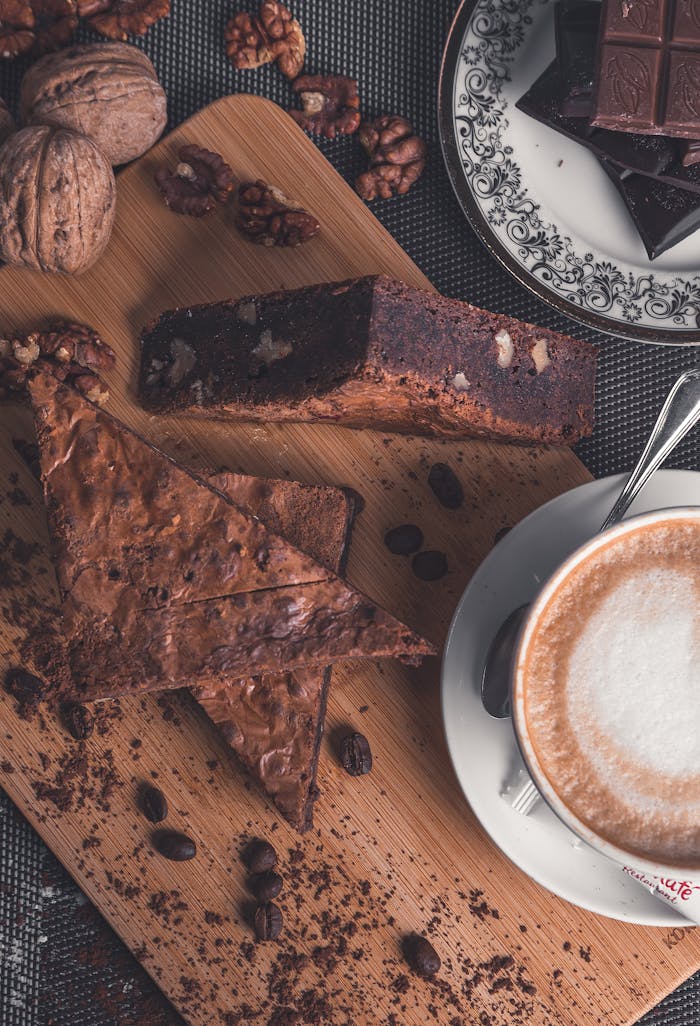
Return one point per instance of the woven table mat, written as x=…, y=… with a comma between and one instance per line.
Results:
x=60, y=964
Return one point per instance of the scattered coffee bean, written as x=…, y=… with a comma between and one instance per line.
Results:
x=79, y=721
x=260, y=856
x=175, y=846
x=268, y=921
x=446, y=486
x=356, y=755
x=421, y=955
x=265, y=886
x=154, y=804
x=430, y=565
x=404, y=540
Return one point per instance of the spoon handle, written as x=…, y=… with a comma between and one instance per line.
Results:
x=679, y=414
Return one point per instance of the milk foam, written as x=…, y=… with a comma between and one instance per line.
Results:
x=634, y=671
x=611, y=683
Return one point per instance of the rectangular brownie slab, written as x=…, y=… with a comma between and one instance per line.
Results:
x=370, y=353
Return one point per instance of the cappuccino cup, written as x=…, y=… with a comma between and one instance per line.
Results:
x=606, y=692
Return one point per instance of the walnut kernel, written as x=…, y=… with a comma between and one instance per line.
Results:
x=540, y=355
x=16, y=27
x=274, y=35
x=117, y=19
x=396, y=155
x=505, y=347
x=268, y=217
x=330, y=105
x=200, y=181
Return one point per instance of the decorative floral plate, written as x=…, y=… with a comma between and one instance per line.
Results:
x=539, y=201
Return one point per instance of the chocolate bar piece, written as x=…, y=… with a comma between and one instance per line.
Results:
x=651, y=155
x=274, y=721
x=648, y=73
x=576, y=25
x=663, y=214
x=370, y=353
x=165, y=582
x=646, y=154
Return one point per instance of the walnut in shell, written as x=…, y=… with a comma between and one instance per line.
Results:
x=107, y=91
x=57, y=200
x=7, y=123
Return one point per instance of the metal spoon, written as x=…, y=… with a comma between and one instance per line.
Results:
x=679, y=414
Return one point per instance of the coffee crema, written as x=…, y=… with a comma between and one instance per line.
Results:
x=610, y=685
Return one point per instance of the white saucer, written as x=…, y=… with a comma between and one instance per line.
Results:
x=483, y=749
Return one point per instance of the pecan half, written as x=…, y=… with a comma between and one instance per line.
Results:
x=200, y=181
x=16, y=27
x=269, y=218
x=73, y=352
x=117, y=19
x=396, y=155
x=274, y=35
x=330, y=105
x=55, y=22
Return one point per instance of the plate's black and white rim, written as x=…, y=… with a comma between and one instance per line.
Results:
x=520, y=202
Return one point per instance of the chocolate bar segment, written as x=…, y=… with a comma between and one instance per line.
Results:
x=576, y=25
x=370, y=353
x=648, y=74
x=663, y=214
x=653, y=155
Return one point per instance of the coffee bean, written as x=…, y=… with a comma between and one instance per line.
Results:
x=445, y=484
x=265, y=886
x=429, y=565
x=175, y=846
x=268, y=921
x=356, y=755
x=79, y=721
x=421, y=955
x=154, y=804
x=260, y=856
x=404, y=540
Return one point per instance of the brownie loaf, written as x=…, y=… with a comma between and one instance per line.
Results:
x=370, y=353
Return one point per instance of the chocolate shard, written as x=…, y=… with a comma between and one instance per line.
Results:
x=648, y=72
x=663, y=214
x=370, y=353
x=165, y=582
x=274, y=722
x=576, y=24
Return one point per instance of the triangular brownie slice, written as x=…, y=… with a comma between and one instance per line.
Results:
x=166, y=582
x=274, y=721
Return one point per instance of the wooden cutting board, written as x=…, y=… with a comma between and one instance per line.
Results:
x=393, y=852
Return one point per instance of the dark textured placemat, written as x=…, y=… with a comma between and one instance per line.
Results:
x=59, y=963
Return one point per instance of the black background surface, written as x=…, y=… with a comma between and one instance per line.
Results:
x=59, y=962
